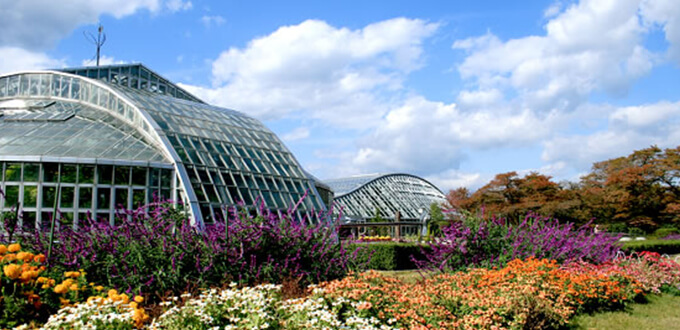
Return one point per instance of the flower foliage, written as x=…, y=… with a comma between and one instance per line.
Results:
x=30, y=291
x=487, y=243
x=155, y=250
x=526, y=294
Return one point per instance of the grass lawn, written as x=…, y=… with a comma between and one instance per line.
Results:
x=661, y=312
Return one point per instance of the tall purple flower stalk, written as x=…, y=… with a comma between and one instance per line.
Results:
x=155, y=249
x=485, y=243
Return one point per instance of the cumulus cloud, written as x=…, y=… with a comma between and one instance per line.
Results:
x=627, y=129
x=39, y=24
x=18, y=59
x=299, y=133
x=178, y=5
x=594, y=45
x=665, y=13
x=316, y=70
x=210, y=21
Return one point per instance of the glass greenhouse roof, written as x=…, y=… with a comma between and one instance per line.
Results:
x=222, y=157
x=70, y=130
x=362, y=196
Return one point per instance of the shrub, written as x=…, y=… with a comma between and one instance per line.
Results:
x=663, y=246
x=665, y=232
x=388, y=255
x=485, y=243
x=155, y=250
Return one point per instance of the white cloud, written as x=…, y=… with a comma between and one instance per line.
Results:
x=628, y=129
x=209, y=21
x=452, y=179
x=39, y=24
x=318, y=71
x=178, y=5
x=17, y=59
x=591, y=46
x=299, y=133
x=665, y=13
x=103, y=60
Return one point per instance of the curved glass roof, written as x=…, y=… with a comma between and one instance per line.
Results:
x=70, y=130
x=361, y=196
x=222, y=157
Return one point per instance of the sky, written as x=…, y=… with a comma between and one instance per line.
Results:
x=453, y=91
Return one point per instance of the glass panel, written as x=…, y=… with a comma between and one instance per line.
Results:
x=67, y=197
x=104, y=174
x=122, y=175
x=139, y=176
x=48, y=195
x=50, y=172
x=138, y=198
x=103, y=198
x=86, y=174
x=68, y=173
x=85, y=198
x=121, y=198
x=13, y=172
x=154, y=177
x=31, y=172
x=166, y=178
x=30, y=196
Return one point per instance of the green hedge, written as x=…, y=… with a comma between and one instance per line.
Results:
x=388, y=255
x=653, y=245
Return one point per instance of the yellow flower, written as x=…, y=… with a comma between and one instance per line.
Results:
x=39, y=258
x=73, y=287
x=139, y=299
x=60, y=289
x=12, y=271
x=99, y=288
x=3, y=249
x=112, y=293
x=133, y=305
x=14, y=247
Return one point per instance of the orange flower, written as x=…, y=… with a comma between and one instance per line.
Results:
x=3, y=249
x=14, y=248
x=12, y=271
x=40, y=258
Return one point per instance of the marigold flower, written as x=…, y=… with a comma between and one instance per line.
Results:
x=12, y=271
x=139, y=299
x=3, y=249
x=60, y=289
x=39, y=258
x=14, y=247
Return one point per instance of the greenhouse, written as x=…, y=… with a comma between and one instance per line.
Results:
x=384, y=195
x=95, y=140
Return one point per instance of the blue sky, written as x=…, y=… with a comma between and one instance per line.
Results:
x=454, y=91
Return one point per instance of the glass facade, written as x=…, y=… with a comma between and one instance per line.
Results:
x=359, y=197
x=107, y=144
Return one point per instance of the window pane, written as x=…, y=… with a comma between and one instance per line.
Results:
x=104, y=174
x=30, y=196
x=67, y=195
x=103, y=198
x=121, y=198
x=48, y=196
x=85, y=198
x=31, y=172
x=138, y=198
x=28, y=219
x=51, y=172
x=68, y=173
x=139, y=176
x=86, y=174
x=13, y=172
x=122, y=175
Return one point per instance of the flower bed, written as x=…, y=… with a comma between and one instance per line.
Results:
x=531, y=293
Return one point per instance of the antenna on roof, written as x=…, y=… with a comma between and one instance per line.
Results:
x=98, y=41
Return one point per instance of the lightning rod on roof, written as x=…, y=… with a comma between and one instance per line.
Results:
x=98, y=41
